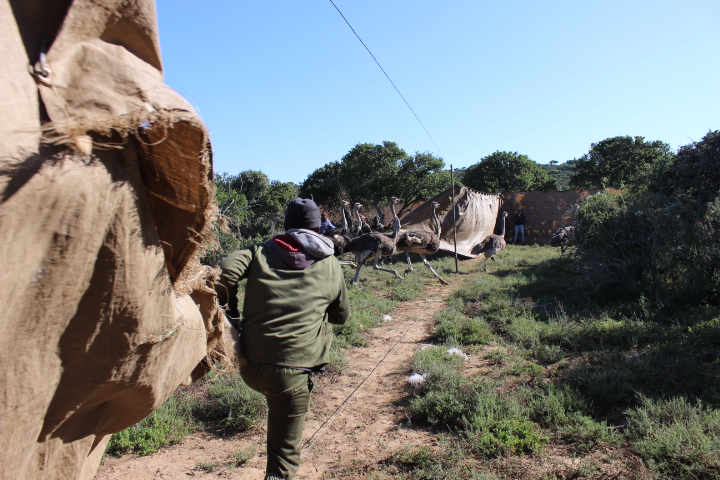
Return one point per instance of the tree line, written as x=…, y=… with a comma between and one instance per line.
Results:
x=656, y=236
x=656, y=231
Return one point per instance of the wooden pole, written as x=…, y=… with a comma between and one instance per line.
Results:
x=452, y=197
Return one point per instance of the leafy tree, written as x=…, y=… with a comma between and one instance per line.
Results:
x=368, y=172
x=371, y=174
x=459, y=174
x=251, y=208
x=561, y=173
x=660, y=236
x=697, y=169
x=252, y=184
x=323, y=184
x=664, y=248
x=620, y=162
x=507, y=172
x=419, y=178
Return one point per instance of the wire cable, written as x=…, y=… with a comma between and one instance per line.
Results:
x=318, y=433
x=388, y=77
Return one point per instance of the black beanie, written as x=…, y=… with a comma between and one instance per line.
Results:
x=302, y=213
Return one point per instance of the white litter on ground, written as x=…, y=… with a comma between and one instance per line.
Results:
x=458, y=352
x=387, y=318
x=416, y=379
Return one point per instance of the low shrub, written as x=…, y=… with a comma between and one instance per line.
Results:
x=500, y=425
x=436, y=361
x=444, y=402
x=230, y=402
x=166, y=426
x=677, y=438
x=455, y=327
x=449, y=462
x=496, y=437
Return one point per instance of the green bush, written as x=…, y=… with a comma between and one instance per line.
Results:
x=436, y=361
x=445, y=402
x=500, y=426
x=455, y=327
x=446, y=396
x=662, y=248
x=506, y=436
x=166, y=426
x=679, y=439
x=230, y=402
x=449, y=462
x=554, y=407
x=547, y=353
x=498, y=356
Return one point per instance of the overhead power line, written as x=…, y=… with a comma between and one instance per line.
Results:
x=388, y=77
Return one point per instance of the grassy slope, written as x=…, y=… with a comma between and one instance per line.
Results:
x=620, y=390
x=591, y=373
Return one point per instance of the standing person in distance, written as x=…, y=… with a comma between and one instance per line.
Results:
x=519, y=220
x=325, y=223
x=295, y=291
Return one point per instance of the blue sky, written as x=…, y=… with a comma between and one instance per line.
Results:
x=285, y=87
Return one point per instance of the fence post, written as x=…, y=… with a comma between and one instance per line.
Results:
x=452, y=197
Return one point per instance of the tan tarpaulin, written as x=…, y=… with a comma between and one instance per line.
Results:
x=545, y=212
x=105, y=192
x=476, y=218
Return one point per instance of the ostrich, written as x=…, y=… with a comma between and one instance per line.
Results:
x=492, y=244
x=377, y=225
x=358, y=218
x=341, y=237
x=563, y=238
x=376, y=244
x=421, y=242
x=331, y=232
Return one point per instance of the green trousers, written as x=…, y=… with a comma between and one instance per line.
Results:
x=288, y=396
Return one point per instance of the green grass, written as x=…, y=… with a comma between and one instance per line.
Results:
x=241, y=457
x=229, y=402
x=451, y=461
x=491, y=424
x=596, y=373
x=207, y=467
x=167, y=425
x=220, y=399
x=678, y=438
x=592, y=370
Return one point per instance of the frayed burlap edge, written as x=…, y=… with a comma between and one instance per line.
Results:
x=75, y=133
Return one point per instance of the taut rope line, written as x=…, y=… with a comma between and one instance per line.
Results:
x=318, y=433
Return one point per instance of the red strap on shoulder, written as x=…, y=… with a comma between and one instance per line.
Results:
x=287, y=243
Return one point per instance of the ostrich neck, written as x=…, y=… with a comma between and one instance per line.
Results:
x=437, y=221
x=396, y=227
x=359, y=221
x=380, y=213
x=344, y=220
x=502, y=226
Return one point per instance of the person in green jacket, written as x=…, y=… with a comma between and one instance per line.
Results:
x=295, y=290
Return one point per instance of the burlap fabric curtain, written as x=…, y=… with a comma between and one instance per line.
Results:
x=476, y=216
x=105, y=193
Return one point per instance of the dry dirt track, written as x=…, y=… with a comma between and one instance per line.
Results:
x=339, y=433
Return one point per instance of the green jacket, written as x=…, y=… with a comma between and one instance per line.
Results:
x=287, y=311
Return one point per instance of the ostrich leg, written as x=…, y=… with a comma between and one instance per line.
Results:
x=427, y=264
x=359, y=261
x=409, y=267
x=376, y=266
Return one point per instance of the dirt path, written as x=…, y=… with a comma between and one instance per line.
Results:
x=355, y=420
